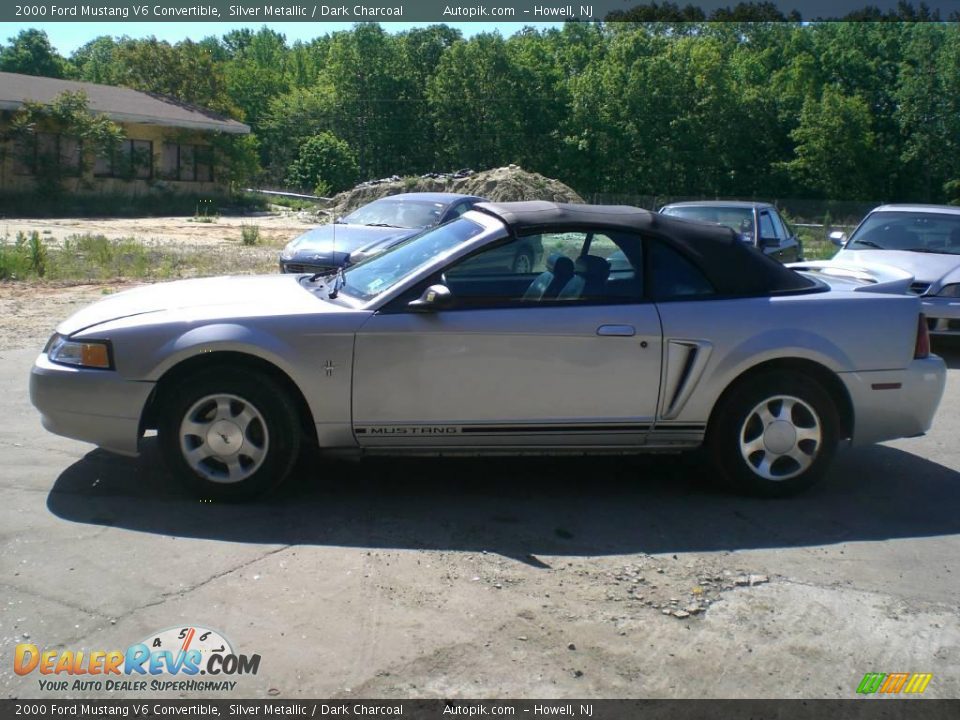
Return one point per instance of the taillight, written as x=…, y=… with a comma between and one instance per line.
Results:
x=922, y=348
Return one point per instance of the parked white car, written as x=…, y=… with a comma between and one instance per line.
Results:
x=923, y=240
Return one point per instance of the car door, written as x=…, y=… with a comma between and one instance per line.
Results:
x=789, y=245
x=793, y=248
x=772, y=236
x=576, y=365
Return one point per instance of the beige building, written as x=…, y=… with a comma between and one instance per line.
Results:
x=168, y=143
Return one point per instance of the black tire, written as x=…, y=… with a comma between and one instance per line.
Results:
x=220, y=403
x=758, y=457
x=523, y=263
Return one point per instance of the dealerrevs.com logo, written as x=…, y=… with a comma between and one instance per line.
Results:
x=170, y=660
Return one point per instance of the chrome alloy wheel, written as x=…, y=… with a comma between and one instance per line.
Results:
x=522, y=264
x=780, y=437
x=224, y=438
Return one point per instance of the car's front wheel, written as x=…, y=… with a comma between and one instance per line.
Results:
x=229, y=434
x=774, y=435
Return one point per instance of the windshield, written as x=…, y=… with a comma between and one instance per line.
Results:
x=913, y=231
x=383, y=271
x=737, y=219
x=391, y=212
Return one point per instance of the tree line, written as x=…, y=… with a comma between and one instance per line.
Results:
x=837, y=110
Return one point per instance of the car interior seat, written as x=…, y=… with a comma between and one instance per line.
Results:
x=590, y=277
x=548, y=284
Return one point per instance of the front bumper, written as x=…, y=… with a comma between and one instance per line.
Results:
x=95, y=406
x=943, y=314
x=892, y=404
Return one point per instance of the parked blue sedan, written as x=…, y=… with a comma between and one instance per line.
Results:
x=370, y=229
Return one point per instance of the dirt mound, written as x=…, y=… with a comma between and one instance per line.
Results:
x=500, y=184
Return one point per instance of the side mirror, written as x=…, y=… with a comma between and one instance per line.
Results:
x=838, y=238
x=769, y=242
x=435, y=297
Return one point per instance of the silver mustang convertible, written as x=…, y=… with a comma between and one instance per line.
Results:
x=633, y=332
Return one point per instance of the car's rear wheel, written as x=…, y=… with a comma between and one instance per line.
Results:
x=229, y=434
x=774, y=435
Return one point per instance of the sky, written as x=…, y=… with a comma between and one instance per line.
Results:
x=67, y=37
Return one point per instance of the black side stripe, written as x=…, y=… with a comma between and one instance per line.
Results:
x=499, y=429
x=525, y=429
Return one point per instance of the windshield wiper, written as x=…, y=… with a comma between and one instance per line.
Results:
x=868, y=243
x=338, y=282
x=382, y=225
x=930, y=250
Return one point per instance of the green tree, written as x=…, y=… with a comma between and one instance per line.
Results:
x=927, y=108
x=325, y=163
x=30, y=53
x=366, y=79
x=835, y=147
x=478, y=104
x=186, y=71
x=289, y=120
x=96, y=61
x=256, y=73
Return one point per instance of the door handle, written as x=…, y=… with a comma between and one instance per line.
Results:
x=616, y=331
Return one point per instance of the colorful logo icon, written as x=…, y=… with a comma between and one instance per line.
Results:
x=894, y=683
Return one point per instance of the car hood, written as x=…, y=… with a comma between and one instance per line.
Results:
x=925, y=267
x=227, y=297
x=326, y=239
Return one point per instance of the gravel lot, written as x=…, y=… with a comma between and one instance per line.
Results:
x=531, y=578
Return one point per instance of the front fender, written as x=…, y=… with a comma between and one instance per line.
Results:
x=222, y=337
x=317, y=359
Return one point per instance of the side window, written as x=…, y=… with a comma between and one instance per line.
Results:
x=672, y=276
x=457, y=210
x=778, y=226
x=766, y=226
x=550, y=268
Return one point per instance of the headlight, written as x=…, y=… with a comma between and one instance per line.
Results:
x=952, y=291
x=89, y=354
x=288, y=252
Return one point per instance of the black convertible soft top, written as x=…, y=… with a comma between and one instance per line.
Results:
x=732, y=266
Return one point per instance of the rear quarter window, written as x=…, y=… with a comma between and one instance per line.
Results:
x=672, y=276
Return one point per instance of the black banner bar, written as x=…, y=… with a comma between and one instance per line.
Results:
x=437, y=11
x=856, y=709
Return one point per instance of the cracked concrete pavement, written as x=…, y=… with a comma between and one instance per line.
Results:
x=531, y=578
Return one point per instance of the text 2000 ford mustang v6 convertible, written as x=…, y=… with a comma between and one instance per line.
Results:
x=638, y=332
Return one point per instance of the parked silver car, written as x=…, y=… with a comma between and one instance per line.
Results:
x=924, y=240
x=695, y=339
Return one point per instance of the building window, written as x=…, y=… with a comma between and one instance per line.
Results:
x=191, y=163
x=130, y=159
x=47, y=151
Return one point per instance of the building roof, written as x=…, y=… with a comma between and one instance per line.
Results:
x=733, y=267
x=117, y=103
